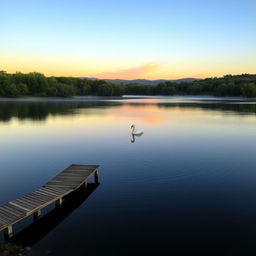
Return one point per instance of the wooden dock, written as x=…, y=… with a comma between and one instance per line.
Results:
x=53, y=191
x=35, y=231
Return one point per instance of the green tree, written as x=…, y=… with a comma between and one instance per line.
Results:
x=196, y=88
x=10, y=90
x=249, y=90
x=105, y=89
x=118, y=89
x=22, y=89
x=65, y=90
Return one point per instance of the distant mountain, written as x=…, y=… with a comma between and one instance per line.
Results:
x=144, y=81
x=149, y=82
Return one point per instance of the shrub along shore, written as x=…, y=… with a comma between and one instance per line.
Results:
x=38, y=85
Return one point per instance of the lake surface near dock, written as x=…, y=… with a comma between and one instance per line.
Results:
x=187, y=185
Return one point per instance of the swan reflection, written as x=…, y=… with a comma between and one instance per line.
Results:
x=133, y=139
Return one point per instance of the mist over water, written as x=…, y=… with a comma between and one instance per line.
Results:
x=187, y=185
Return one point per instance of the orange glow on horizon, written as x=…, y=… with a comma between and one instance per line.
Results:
x=128, y=71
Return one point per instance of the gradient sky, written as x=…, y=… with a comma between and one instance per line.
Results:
x=129, y=39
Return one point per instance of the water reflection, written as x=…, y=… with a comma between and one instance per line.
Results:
x=39, y=229
x=40, y=110
x=133, y=139
x=183, y=187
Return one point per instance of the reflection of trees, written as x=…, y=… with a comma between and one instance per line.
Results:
x=238, y=108
x=241, y=108
x=39, y=111
x=34, y=111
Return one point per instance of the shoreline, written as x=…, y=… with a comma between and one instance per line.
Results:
x=124, y=97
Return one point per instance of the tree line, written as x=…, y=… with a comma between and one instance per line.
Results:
x=36, y=84
x=239, y=85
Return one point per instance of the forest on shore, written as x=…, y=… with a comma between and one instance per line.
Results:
x=36, y=84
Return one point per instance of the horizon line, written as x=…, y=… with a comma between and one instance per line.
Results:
x=167, y=79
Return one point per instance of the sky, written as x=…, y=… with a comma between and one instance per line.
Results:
x=135, y=39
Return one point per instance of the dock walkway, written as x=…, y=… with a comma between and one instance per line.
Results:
x=55, y=190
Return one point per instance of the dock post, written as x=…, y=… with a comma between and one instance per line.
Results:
x=8, y=232
x=58, y=203
x=96, y=176
x=37, y=215
x=85, y=184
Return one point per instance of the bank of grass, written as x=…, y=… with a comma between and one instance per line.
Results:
x=9, y=249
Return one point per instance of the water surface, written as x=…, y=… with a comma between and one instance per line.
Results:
x=188, y=185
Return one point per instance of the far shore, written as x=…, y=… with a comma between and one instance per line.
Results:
x=124, y=97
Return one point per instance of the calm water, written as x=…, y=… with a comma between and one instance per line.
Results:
x=187, y=185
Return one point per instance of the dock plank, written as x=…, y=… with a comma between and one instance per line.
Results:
x=13, y=209
x=44, y=193
x=47, y=191
x=24, y=203
x=11, y=213
x=6, y=217
x=38, y=196
x=31, y=201
x=36, y=199
x=56, y=192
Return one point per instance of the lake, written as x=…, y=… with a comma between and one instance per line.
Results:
x=187, y=185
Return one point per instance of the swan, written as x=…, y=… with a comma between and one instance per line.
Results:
x=136, y=132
